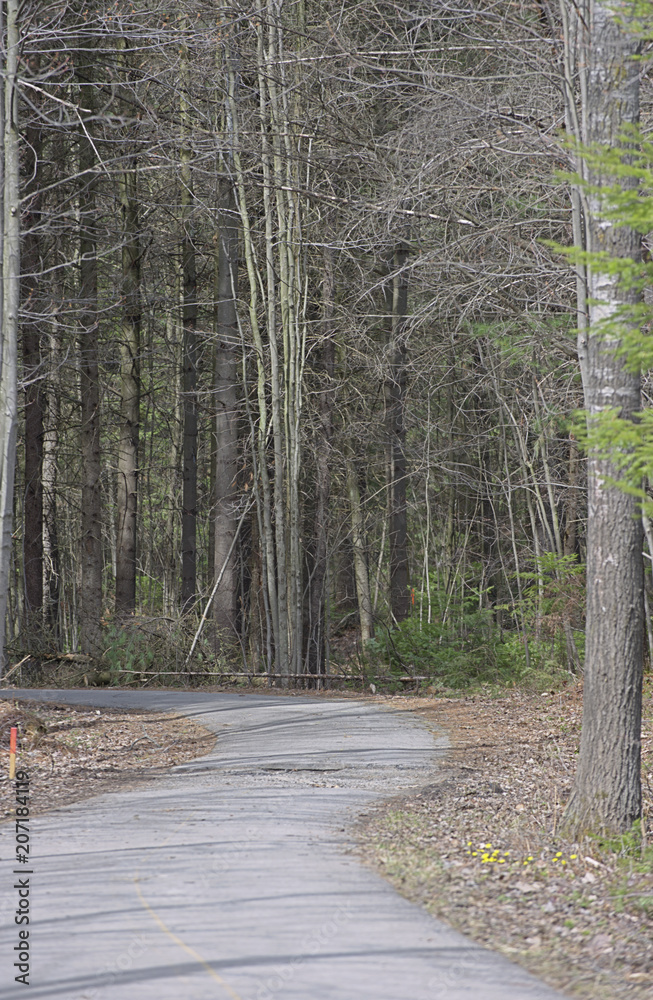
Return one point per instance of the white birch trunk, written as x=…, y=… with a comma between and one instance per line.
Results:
x=10, y=306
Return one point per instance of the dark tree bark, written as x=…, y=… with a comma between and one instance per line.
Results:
x=189, y=392
x=225, y=605
x=607, y=789
x=359, y=546
x=51, y=433
x=91, y=548
x=317, y=570
x=127, y=491
x=189, y=350
x=395, y=406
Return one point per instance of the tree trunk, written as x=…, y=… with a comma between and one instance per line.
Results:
x=189, y=473
x=31, y=311
x=572, y=502
x=189, y=372
x=258, y=420
x=10, y=306
x=91, y=548
x=315, y=637
x=51, y=567
x=360, y=554
x=127, y=487
x=274, y=240
x=395, y=405
x=226, y=418
x=607, y=789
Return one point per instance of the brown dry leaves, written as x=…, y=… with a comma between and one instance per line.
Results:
x=585, y=925
x=73, y=752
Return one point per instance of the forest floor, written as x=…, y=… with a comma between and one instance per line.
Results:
x=482, y=850
x=73, y=752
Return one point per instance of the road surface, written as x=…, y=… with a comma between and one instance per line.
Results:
x=232, y=876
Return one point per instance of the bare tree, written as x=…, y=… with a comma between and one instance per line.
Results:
x=33, y=372
x=130, y=350
x=91, y=513
x=190, y=345
x=395, y=417
x=10, y=302
x=226, y=413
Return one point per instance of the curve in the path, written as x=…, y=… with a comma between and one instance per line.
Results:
x=229, y=877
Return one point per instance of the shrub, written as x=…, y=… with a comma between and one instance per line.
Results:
x=465, y=644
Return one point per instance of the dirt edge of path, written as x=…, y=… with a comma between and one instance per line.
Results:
x=481, y=848
x=73, y=752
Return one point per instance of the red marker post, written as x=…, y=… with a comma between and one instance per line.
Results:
x=12, y=752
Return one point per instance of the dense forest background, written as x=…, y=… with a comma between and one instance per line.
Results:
x=298, y=363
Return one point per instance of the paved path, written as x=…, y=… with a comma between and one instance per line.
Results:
x=230, y=877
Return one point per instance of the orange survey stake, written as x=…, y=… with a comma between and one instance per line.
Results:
x=12, y=752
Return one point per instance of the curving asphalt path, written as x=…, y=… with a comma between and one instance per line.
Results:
x=229, y=877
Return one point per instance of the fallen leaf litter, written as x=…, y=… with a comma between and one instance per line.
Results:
x=481, y=847
x=73, y=752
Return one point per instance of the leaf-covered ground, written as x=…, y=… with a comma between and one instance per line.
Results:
x=482, y=850
x=73, y=752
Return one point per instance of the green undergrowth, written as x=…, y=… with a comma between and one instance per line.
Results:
x=631, y=856
x=628, y=848
x=157, y=650
x=465, y=640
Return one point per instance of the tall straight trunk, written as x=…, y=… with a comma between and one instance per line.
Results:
x=127, y=480
x=258, y=421
x=189, y=362
x=10, y=305
x=31, y=311
x=274, y=236
x=171, y=567
x=51, y=567
x=257, y=612
x=292, y=293
x=573, y=73
x=569, y=544
x=607, y=788
x=91, y=548
x=361, y=570
x=396, y=430
x=226, y=417
x=315, y=632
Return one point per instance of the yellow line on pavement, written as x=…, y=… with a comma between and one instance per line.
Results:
x=176, y=830
x=190, y=951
